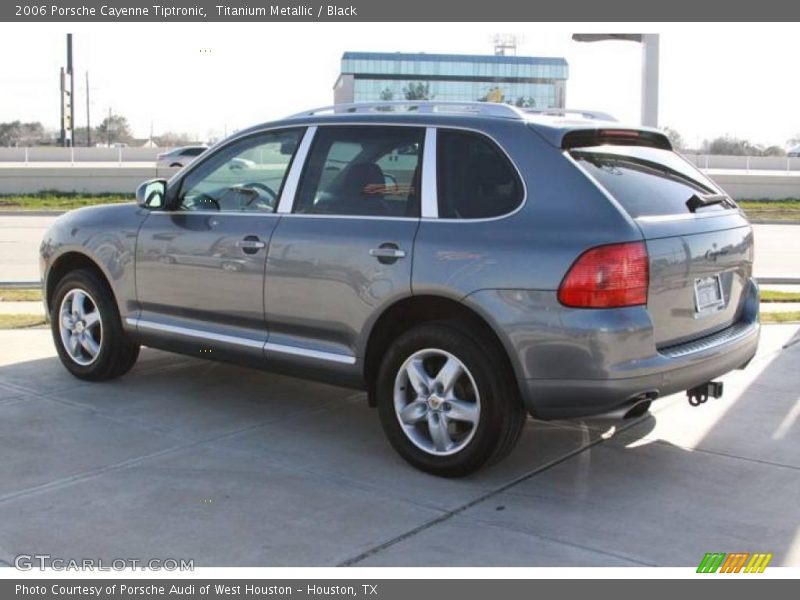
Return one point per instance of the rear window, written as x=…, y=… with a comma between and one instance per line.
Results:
x=648, y=181
x=475, y=179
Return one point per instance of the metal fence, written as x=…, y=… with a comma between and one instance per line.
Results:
x=745, y=163
x=130, y=154
x=79, y=154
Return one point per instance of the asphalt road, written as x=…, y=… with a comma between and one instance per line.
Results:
x=777, y=248
x=231, y=467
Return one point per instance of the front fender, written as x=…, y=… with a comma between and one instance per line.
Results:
x=105, y=235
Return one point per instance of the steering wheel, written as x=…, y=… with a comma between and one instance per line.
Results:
x=273, y=196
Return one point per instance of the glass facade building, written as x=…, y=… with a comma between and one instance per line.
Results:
x=522, y=80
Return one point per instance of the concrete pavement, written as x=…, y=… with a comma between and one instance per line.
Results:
x=777, y=248
x=232, y=467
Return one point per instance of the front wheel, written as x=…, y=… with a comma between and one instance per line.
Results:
x=447, y=403
x=87, y=330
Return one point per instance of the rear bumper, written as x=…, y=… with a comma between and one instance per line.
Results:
x=577, y=363
x=568, y=398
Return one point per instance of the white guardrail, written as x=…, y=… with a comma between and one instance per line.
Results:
x=99, y=178
x=135, y=154
x=95, y=171
x=78, y=154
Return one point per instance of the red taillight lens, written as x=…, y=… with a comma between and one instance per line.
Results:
x=607, y=277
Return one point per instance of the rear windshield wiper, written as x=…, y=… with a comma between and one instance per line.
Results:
x=701, y=200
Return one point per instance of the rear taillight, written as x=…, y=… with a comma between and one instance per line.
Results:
x=607, y=277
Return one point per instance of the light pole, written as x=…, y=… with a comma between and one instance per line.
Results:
x=649, y=42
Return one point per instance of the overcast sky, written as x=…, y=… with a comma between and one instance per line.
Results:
x=205, y=79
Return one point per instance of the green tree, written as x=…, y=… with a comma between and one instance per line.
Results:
x=739, y=147
x=417, y=91
x=773, y=151
x=386, y=95
x=114, y=129
x=523, y=102
x=675, y=138
x=16, y=133
x=171, y=138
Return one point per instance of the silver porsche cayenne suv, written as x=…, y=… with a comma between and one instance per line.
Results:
x=466, y=264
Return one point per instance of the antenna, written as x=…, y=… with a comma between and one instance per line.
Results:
x=505, y=44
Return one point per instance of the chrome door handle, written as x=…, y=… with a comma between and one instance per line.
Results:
x=387, y=253
x=251, y=244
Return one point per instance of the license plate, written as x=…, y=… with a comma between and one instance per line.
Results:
x=708, y=294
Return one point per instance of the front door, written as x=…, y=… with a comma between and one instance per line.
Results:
x=200, y=266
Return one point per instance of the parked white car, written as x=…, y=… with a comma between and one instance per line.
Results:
x=179, y=157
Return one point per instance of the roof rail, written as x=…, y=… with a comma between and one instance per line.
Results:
x=585, y=114
x=485, y=109
x=490, y=109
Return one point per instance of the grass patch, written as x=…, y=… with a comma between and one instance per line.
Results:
x=20, y=321
x=773, y=210
x=768, y=296
x=59, y=201
x=20, y=295
x=781, y=317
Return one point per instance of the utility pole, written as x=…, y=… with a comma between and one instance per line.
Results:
x=88, y=120
x=71, y=75
x=67, y=78
x=650, y=56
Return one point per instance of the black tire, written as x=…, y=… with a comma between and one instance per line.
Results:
x=117, y=351
x=501, y=417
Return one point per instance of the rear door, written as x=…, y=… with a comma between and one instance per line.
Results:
x=346, y=248
x=699, y=243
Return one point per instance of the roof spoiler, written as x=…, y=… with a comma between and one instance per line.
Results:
x=615, y=137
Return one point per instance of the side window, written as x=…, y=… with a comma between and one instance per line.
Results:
x=363, y=170
x=475, y=179
x=193, y=152
x=246, y=176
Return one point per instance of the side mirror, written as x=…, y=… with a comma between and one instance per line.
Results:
x=152, y=194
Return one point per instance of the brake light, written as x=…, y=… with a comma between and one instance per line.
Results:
x=607, y=277
x=629, y=133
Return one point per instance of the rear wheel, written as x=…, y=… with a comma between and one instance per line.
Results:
x=447, y=402
x=87, y=330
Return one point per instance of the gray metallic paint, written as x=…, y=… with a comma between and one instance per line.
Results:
x=313, y=312
x=104, y=234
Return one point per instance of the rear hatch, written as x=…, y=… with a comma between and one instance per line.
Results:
x=700, y=245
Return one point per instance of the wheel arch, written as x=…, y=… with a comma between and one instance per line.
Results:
x=415, y=310
x=71, y=261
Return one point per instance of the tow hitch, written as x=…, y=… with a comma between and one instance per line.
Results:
x=700, y=394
